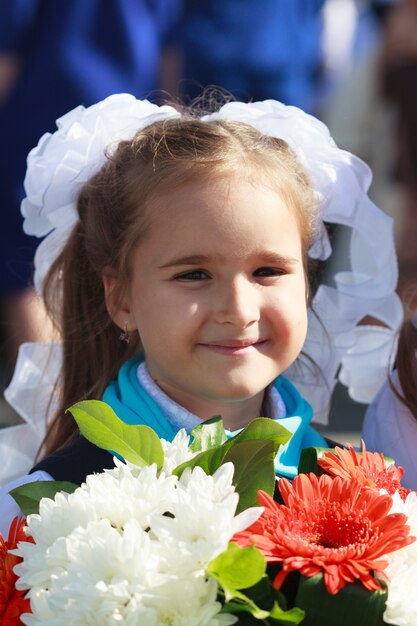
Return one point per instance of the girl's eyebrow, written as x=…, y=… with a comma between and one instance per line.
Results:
x=263, y=257
x=275, y=258
x=195, y=259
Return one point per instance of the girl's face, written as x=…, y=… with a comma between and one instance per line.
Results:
x=218, y=295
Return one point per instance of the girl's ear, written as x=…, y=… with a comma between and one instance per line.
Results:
x=117, y=300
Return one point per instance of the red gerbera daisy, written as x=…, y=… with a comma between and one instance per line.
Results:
x=369, y=468
x=328, y=525
x=12, y=601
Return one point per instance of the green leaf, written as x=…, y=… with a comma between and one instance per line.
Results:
x=209, y=460
x=265, y=429
x=245, y=568
x=209, y=434
x=236, y=606
x=254, y=469
x=238, y=568
x=138, y=444
x=29, y=495
x=283, y=617
x=244, y=605
x=261, y=429
x=309, y=460
x=352, y=605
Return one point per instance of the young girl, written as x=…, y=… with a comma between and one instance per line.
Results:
x=176, y=270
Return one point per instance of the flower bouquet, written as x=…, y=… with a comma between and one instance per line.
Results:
x=347, y=530
x=174, y=535
x=150, y=541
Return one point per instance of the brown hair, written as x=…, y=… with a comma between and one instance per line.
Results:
x=112, y=220
x=406, y=361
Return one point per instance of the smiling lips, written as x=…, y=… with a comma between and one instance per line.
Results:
x=235, y=347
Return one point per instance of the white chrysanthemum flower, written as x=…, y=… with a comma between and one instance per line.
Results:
x=409, y=553
x=401, y=605
x=189, y=602
x=131, y=547
x=176, y=451
x=104, y=571
x=122, y=494
x=58, y=517
x=204, y=519
x=219, y=490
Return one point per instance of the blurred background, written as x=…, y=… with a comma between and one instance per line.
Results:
x=352, y=63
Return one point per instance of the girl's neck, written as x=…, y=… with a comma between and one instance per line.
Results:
x=235, y=414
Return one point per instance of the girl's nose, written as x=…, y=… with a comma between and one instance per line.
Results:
x=238, y=303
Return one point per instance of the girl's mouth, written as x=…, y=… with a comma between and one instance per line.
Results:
x=235, y=347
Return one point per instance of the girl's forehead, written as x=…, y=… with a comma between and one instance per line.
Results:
x=226, y=214
x=211, y=190
x=220, y=199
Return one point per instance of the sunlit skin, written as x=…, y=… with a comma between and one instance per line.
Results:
x=218, y=295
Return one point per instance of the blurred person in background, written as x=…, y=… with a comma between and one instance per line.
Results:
x=390, y=424
x=358, y=114
x=55, y=55
x=400, y=86
x=373, y=114
x=399, y=75
x=256, y=50
x=351, y=32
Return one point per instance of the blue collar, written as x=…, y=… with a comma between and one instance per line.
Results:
x=134, y=405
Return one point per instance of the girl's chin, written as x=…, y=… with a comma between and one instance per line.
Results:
x=241, y=391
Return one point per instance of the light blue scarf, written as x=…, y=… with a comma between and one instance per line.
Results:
x=134, y=405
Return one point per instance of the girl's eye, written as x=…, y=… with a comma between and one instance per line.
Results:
x=193, y=275
x=268, y=271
